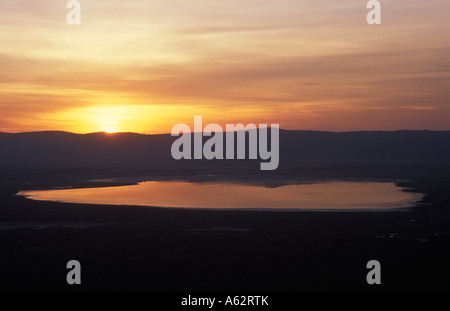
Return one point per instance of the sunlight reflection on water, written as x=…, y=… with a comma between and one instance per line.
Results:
x=335, y=195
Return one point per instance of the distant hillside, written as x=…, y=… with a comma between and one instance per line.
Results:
x=62, y=150
x=40, y=150
x=398, y=145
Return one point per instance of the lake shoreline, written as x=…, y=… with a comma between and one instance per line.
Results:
x=202, y=192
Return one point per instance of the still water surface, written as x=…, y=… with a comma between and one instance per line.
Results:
x=340, y=195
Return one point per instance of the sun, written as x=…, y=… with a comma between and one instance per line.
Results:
x=109, y=130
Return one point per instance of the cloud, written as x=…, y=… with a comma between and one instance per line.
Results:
x=311, y=61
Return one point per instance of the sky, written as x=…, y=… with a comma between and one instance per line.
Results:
x=145, y=65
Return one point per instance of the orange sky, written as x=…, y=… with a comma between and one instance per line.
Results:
x=143, y=66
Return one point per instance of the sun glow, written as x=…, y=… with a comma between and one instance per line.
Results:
x=145, y=119
x=123, y=118
x=109, y=130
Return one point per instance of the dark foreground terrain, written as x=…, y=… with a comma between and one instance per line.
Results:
x=129, y=248
x=136, y=248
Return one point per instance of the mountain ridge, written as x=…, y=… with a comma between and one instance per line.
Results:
x=65, y=150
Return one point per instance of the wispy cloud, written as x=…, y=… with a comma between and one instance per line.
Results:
x=304, y=64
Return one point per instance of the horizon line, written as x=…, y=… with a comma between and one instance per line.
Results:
x=284, y=130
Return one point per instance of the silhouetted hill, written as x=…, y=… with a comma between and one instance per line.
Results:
x=62, y=150
x=398, y=145
x=40, y=150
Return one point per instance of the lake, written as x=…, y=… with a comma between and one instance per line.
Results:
x=332, y=195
